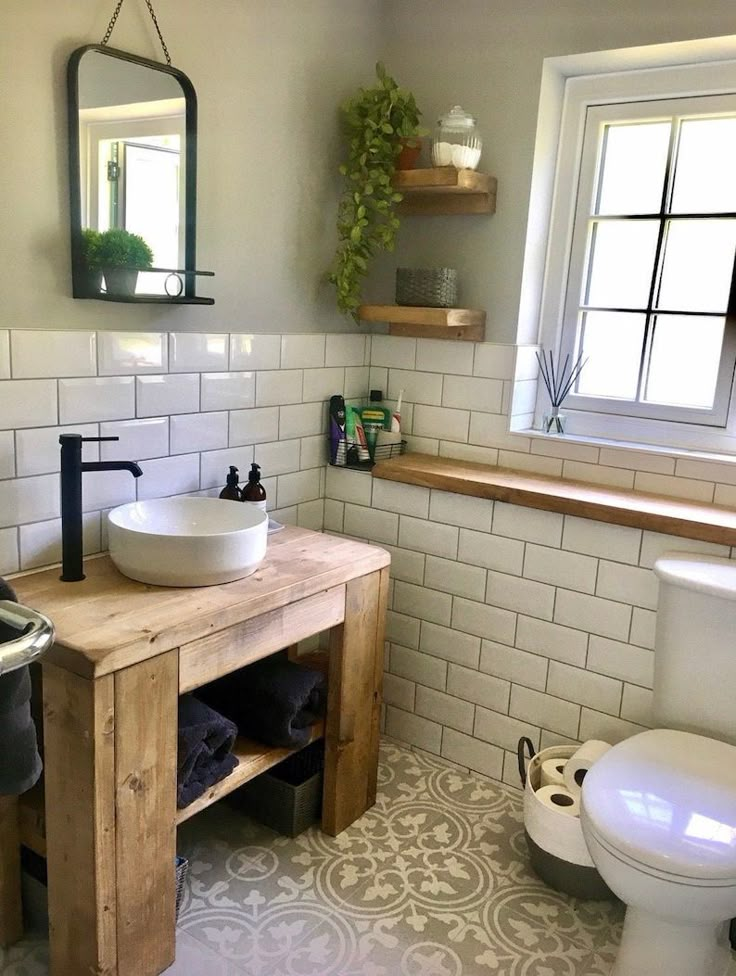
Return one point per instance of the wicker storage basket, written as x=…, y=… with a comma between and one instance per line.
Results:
x=428, y=287
x=182, y=872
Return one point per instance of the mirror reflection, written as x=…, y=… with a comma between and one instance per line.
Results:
x=132, y=138
x=133, y=179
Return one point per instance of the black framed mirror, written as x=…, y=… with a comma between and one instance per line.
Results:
x=132, y=178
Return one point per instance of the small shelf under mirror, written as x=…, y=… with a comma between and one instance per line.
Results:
x=151, y=299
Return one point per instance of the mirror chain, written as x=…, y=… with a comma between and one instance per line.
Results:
x=152, y=12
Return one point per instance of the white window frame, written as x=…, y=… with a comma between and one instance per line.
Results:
x=569, y=87
x=596, y=117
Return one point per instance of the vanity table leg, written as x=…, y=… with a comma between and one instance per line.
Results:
x=146, y=697
x=11, y=913
x=80, y=822
x=354, y=703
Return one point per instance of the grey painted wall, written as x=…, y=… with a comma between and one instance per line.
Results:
x=269, y=77
x=487, y=55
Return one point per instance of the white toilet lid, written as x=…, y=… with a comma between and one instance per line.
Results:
x=667, y=800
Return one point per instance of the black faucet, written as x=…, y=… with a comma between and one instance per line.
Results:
x=72, y=467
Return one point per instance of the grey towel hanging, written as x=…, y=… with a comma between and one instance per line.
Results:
x=24, y=637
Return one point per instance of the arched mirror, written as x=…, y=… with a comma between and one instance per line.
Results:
x=133, y=178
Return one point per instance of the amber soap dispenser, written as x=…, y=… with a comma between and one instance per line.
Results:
x=231, y=490
x=254, y=492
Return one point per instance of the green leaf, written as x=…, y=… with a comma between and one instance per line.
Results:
x=366, y=223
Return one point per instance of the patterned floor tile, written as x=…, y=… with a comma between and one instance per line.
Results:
x=195, y=959
x=433, y=881
x=28, y=958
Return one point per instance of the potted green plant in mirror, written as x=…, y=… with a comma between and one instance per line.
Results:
x=121, y=255
x=91, y=269
x=376, y=122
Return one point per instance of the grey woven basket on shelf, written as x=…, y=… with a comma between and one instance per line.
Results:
x=430, y=287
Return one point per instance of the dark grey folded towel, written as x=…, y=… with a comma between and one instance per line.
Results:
x=205, y=747
x=273, y=700
x=20, y=763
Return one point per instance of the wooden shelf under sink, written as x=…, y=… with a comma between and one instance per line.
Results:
x=253, y=758
x=445, y=190
x=429, y=323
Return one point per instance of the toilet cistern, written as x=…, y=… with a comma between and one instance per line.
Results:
x=72, y=468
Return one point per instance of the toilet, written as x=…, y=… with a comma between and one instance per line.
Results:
x=658, y=810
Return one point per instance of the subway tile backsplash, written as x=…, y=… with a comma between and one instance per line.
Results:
x=122, y=353
x=83, y=401
x=503, y=621
x=194, y=351
x=40, y=353
x=185, y=405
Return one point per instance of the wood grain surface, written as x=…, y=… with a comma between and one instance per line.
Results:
x=146, y=699
x=80, y=823
x=11, y=911
x=108, y=622
x=657, y=513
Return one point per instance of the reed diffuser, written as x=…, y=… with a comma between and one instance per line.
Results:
x=559, y=382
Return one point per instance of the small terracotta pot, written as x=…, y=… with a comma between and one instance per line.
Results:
x=410, y=150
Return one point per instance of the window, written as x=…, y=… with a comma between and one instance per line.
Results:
x=631, y=243
x=131, y=157
x=652, y=260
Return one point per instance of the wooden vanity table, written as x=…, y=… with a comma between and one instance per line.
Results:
x=124, y=652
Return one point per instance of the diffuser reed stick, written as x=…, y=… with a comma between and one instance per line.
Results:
x=558, y=381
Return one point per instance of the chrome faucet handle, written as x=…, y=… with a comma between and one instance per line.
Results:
x=35, y=636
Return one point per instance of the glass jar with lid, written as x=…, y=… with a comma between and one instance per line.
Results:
x=457, y=141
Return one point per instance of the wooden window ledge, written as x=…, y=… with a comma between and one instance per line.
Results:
x=656, y=513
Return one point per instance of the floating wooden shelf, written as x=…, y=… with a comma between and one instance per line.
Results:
x=253, y=758
x=618, y=506
x=429, y=323
x=445, y=190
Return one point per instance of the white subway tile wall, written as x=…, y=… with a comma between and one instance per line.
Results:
x=504, y=621
x=39, y=353
x=182, y=404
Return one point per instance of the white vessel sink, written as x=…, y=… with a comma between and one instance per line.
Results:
x=187, y=541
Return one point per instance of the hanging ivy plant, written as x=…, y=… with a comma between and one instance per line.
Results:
x=375, y=122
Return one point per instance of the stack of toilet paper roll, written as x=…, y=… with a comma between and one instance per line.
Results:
x=561, y=779
x=557, y=849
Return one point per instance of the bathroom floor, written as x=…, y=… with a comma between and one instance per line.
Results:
x=432, y=882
